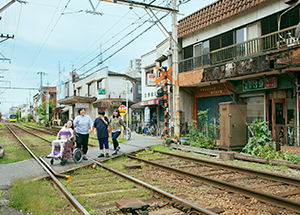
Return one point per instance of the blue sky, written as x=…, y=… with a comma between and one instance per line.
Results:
x=43, y=37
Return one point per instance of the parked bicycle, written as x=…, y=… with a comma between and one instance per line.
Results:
x=151, y=129
x=127, y=134
x=170, y=131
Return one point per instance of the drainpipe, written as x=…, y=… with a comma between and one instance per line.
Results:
x=279, y=21
x=297, y=111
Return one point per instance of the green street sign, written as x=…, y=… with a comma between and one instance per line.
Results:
x=101, y=92
x=254, y=84
x=260, y=83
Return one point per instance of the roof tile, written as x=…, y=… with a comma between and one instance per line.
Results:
x=215, y=12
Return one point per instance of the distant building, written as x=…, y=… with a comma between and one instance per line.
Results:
x=13, y=110
x=41, y=97
x=102, y=89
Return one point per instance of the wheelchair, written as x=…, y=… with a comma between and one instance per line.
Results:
x=69, y=153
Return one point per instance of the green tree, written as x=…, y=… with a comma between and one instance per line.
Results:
x=42, y=111
x=29, y=117
x=18, y=113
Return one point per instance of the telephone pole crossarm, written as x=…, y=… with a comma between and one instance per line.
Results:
x=10, y=3
x=142, y=5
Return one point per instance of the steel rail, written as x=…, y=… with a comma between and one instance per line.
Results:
x=34, y=134
x=264, y=197
x=46, y=131
x=187, y=203
x=55, y=132
x=56, y=174
x=270, y=176
x=57, y=182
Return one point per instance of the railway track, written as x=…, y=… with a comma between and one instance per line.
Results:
x=52, y=131
x=97, y=189
x=276, y=190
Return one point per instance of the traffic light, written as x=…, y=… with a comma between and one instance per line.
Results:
x=160, y=92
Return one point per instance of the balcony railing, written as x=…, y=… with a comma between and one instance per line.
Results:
x=275, y=40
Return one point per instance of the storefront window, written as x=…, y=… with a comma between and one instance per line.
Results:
x=255, y=108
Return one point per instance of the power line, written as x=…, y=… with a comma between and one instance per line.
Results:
x=139, y=18
x=40, y=48
x=100, y=38
x=110, y=38
x=124, y=45
x=16, y=32
x=114, y=44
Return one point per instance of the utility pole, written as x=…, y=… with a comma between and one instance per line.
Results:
x=47, y=105
x=26, y=110
x=59, y=85
x=176, y=100
x=127, y=88
x=41, y=89
x=41, y=86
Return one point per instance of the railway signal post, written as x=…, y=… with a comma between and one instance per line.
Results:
x=165, y=76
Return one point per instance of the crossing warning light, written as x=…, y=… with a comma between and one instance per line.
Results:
x=122, y=110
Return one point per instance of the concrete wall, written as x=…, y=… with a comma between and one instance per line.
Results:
x=91, y=79
x=186, y=105
x=117, y=86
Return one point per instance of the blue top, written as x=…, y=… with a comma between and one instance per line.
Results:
x=102, y=131
x=82, y=124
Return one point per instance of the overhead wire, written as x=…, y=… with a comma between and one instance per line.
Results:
x=129, y=33
x=123, y=46
x=17, y=30
x=52, y=30
x=110, y=39
x=40, y=46
x=102, y=36
x=15, y=38
x=139, y=18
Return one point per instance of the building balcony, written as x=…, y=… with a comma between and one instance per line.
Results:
x=241, y=51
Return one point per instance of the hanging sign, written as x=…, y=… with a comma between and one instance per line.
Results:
x=101, y=92
x=81, y=105
x=260, y=84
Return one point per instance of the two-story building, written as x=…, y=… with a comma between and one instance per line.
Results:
x=245, y=51
x=102, y=89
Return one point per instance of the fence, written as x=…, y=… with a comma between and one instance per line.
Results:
x=285, y=137
x=256, y=46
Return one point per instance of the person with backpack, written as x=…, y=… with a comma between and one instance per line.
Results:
x=101, y=131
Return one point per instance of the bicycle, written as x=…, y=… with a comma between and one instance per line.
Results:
x=151, y=129
x=127, y=134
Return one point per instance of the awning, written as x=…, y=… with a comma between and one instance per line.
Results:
x=76, y=99
x=111, y=102
x=57, y=109
x=143, y=104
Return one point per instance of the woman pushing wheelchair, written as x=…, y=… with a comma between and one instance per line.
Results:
x=65, y=134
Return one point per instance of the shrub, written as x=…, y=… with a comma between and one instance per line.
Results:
x=263, y=146
x=203, y=137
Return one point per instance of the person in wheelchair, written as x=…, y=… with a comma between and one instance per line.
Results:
x=66, y=134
